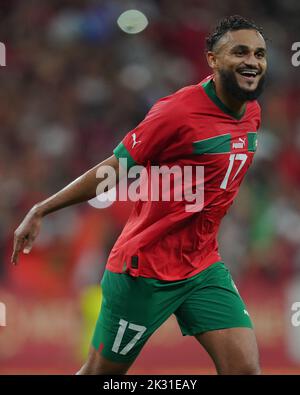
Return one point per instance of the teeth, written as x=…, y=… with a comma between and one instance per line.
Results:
x=249, y=73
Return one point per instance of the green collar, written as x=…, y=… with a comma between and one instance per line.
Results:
x=211, y=93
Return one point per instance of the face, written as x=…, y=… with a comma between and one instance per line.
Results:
x=239, y=63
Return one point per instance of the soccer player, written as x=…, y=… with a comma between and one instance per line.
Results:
x=166, y=260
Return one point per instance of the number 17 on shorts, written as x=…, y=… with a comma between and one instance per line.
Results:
x=139, y=329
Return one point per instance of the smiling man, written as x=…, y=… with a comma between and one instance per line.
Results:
x=166, y=261
x=238, y=59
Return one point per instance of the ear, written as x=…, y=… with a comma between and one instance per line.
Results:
x=211, y=59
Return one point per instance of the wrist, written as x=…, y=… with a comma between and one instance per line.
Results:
x=38, y=210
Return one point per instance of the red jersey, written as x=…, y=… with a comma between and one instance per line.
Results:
x=191, y=127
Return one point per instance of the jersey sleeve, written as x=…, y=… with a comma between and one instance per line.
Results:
x=152, y=136
x=259, y=117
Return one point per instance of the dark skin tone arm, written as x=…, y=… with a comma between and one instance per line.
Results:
x=80, y=190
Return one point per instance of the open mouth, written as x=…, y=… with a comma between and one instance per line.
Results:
x=248, y=74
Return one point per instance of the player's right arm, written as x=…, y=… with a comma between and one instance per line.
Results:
x=80, y=190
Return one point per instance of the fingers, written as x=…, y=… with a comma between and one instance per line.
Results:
x=24, y=237
x=21, y=243
x=18, y=244
x=28, y=245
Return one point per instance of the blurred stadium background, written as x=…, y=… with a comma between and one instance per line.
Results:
x=74, y=84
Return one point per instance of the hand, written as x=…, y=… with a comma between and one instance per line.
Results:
x=26, y=233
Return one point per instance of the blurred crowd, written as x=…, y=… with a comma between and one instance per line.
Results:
x=75, y=84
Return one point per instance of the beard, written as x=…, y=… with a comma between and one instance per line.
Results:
x=230, y=85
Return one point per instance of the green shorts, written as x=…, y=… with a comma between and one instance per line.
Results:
x=134, y=307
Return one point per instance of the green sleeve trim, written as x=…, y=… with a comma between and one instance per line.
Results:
x=252, y=141
x=121, y=152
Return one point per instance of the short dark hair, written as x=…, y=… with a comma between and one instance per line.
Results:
x=228, y=24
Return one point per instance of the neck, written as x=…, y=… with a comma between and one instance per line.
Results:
x=229, y=101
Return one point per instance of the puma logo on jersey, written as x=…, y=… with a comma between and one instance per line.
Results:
x=246, y=312
x=240, y=144
x=134, y=143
